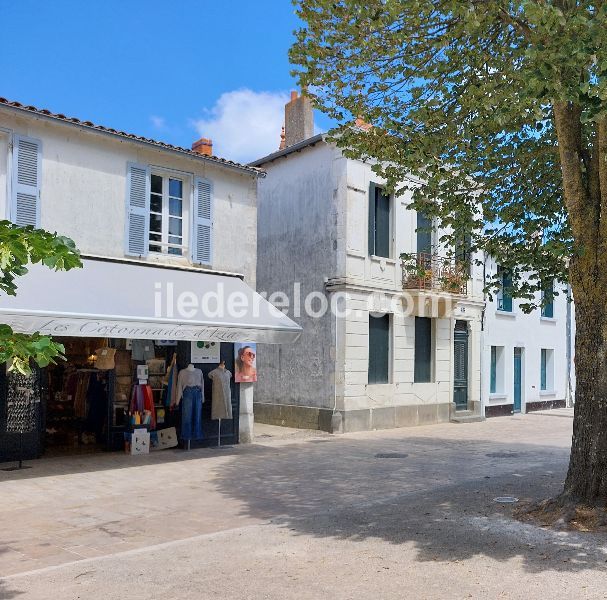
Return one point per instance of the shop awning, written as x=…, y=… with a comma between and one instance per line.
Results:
x=114, y=299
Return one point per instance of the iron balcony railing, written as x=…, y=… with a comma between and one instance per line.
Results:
x=431, y=272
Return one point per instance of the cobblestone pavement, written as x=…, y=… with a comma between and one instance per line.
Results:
x=406, y=513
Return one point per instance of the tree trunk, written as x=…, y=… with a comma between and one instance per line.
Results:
x=586, y=481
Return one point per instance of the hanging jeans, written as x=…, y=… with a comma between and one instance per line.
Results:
x=191, y=413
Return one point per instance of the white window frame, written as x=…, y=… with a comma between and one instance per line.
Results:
x=186, y=200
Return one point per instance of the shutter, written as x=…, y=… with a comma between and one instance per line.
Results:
x=137, y=210
x=379, y=349
x=422, y=367
x=382, y=224
x=27, y=166
x=543, y=369
x=202, y=230
x=493, y=384
x=424, y=233
x=371, y=223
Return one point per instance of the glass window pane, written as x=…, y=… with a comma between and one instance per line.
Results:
x=174, y=226
x=175, y=207
x=154, y=248
x=177, y=251
x=156, y=184
x=175, y=188
x=175, y=239
x=156, y=223
x=156, y=203
x=155, y=237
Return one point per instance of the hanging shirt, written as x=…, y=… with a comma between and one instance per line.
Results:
x=142, y=349
x=187, y=378
x=221, y=407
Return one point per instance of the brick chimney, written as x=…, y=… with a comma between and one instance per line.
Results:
x=299, y=119
x=203, y=146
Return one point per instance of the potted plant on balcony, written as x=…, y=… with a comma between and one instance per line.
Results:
x=415, y=273
x=452, y=282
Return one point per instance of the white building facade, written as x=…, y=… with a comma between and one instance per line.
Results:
x=160, y=215
x=397, y=345
x=527, y=357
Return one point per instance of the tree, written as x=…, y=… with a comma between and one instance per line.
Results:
x=498, y=104
x=20, y=246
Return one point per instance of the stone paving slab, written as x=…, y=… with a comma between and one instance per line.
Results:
x=394, y=514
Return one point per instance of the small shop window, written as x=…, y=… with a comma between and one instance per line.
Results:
x=546, y=370
x=166, y=215
x=496, y=385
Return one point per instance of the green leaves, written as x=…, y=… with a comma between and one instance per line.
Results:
x=460, y=94
x=20, y=246
x=19, y=350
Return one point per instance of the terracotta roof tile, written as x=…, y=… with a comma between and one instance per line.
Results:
x=89, y=124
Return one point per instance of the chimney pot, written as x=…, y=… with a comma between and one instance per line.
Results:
x=294, y=95
x=203, y=146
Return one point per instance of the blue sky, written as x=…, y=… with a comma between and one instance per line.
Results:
x=167, y=70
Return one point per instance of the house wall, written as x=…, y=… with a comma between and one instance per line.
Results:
x=531, y=332
x=313, y=229
x=300, y=237
x=83, y=192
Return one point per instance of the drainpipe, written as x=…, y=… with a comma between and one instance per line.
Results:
x=482, y=337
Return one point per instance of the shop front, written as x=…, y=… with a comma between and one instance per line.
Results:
x=156, y=357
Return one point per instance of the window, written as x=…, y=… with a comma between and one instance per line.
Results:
x=379, y=349
x=166, y=215
x=422, y=369
x=380, y=234
x=504, y=297
x=463, y=254
x=546, y=370
x=496, y=385
x=548, y=300
x=424, y=233
x=493, y=387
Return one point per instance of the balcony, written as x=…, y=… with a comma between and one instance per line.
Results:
x=433, y=273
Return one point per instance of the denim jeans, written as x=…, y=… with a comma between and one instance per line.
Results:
x=191, y=414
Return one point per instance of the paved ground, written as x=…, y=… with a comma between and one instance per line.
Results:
x=395, y=514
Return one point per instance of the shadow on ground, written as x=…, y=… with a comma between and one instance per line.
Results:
x=437, y=494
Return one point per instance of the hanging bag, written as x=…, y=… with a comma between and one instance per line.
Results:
x=105, y=357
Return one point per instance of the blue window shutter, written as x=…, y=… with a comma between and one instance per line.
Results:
x=202, y=222
x=25, y=191
x=493, y=384
x=137, y=210
x=371, y=221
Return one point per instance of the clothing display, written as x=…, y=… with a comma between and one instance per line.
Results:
x=221, y=400
x=142, y=350
x=188, y=377
x=22, y=396
x=142, y=406
x=191, y=413
x=170, y=380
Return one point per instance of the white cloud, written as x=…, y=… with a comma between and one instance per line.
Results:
x=158, y=122
x=243, y=124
